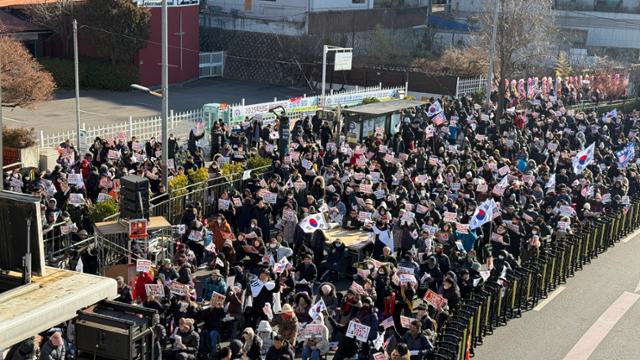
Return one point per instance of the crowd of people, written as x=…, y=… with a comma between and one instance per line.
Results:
x=453, y=197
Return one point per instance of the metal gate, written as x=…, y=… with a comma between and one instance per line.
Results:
x=212, y=64
x=470, y=86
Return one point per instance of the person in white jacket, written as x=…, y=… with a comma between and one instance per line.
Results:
x=316, y=345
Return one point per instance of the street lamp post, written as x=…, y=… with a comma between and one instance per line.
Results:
x=165, y=96
x=345, y=65
x=76, y=72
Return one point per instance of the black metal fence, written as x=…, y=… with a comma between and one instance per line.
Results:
x=497, y=302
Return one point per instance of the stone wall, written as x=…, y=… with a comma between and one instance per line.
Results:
x=290, y=60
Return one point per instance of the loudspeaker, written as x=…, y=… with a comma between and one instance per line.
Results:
x=112, y=330
x=134, y=197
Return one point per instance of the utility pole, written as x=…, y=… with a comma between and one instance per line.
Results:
x=494, y=31
x=325, y=50
x=77, y=76
x=165, y=96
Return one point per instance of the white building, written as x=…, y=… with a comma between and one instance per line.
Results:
x=587, y=24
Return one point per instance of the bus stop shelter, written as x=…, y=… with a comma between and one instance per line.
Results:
x=383, y=118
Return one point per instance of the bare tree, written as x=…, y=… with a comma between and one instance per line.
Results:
x=24, y=82
x=57, y=16
x=524, y=37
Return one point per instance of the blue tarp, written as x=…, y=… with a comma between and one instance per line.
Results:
x=448, y=24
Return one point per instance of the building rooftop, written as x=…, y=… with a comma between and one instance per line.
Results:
x=11, y=24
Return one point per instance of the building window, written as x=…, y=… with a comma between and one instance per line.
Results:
x=357, y=1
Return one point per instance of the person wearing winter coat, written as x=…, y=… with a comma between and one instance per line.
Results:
x=316, y=345
x=26, y=350
x=266, y=335
x=193, y=138
x=287, y=324
x=214, y=283
x=327, y=294
x=187, y=340
x=54, y=348
x=251, y=344
x=279, y=349
x=416, y=341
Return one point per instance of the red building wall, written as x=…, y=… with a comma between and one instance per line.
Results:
x=181, y=68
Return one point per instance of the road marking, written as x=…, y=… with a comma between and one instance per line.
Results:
x=546, y=301
x=93, y=113
x=14, y=120
x=631, y=236
x=589, y=342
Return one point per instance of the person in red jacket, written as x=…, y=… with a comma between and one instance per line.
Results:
x=139, y=290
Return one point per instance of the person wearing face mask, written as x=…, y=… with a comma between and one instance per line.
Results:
x=221, y=231
x=277, y=250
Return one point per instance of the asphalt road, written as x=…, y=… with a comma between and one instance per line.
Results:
x=594, y=316
x=103, y=107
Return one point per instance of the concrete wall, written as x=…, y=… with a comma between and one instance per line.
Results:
x=616, y=30
x=230, y=22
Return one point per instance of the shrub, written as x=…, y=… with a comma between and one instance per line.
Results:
x=370, y=100
x=18, y=138
x=232, y=171
x=258, y=161
x=178, y=185
x=94, y=73
x=198, y=176
x=103, y=209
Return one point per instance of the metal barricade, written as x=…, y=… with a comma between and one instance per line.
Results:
x=497, y=302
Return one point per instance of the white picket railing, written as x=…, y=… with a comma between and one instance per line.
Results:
x=180, y=123
x=143, y=128
x=470, y=86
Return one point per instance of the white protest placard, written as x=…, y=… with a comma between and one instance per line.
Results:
x=154, y=290
x=358, y=331
x=366, y=188
x=407, y=279
x=462, y=228
x=606, y=198
x=299, y=185
x=231, y=281
x=450, y=216
x=364, y=216
x=179, y=289
x=143, y=265
x=421, y=209
x=358, y=289
x=76, y=199
x=281, y=265
x=387, y=323
x=113, y=154
x=312, y=330
x=566, y=210
x=270, y=197
x=195, y=235
x=503, y=170
x=288, y=215
x=102, y=197
x=307, y=164
x=223, y=204
x=404, y=270
x=217, y=299
x=380, y=356
x=564, y=225
x=75, y=179
x=406, y=321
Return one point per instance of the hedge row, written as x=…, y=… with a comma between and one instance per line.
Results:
x=94, y=74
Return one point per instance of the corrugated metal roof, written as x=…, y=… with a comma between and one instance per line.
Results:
x=384, y=107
